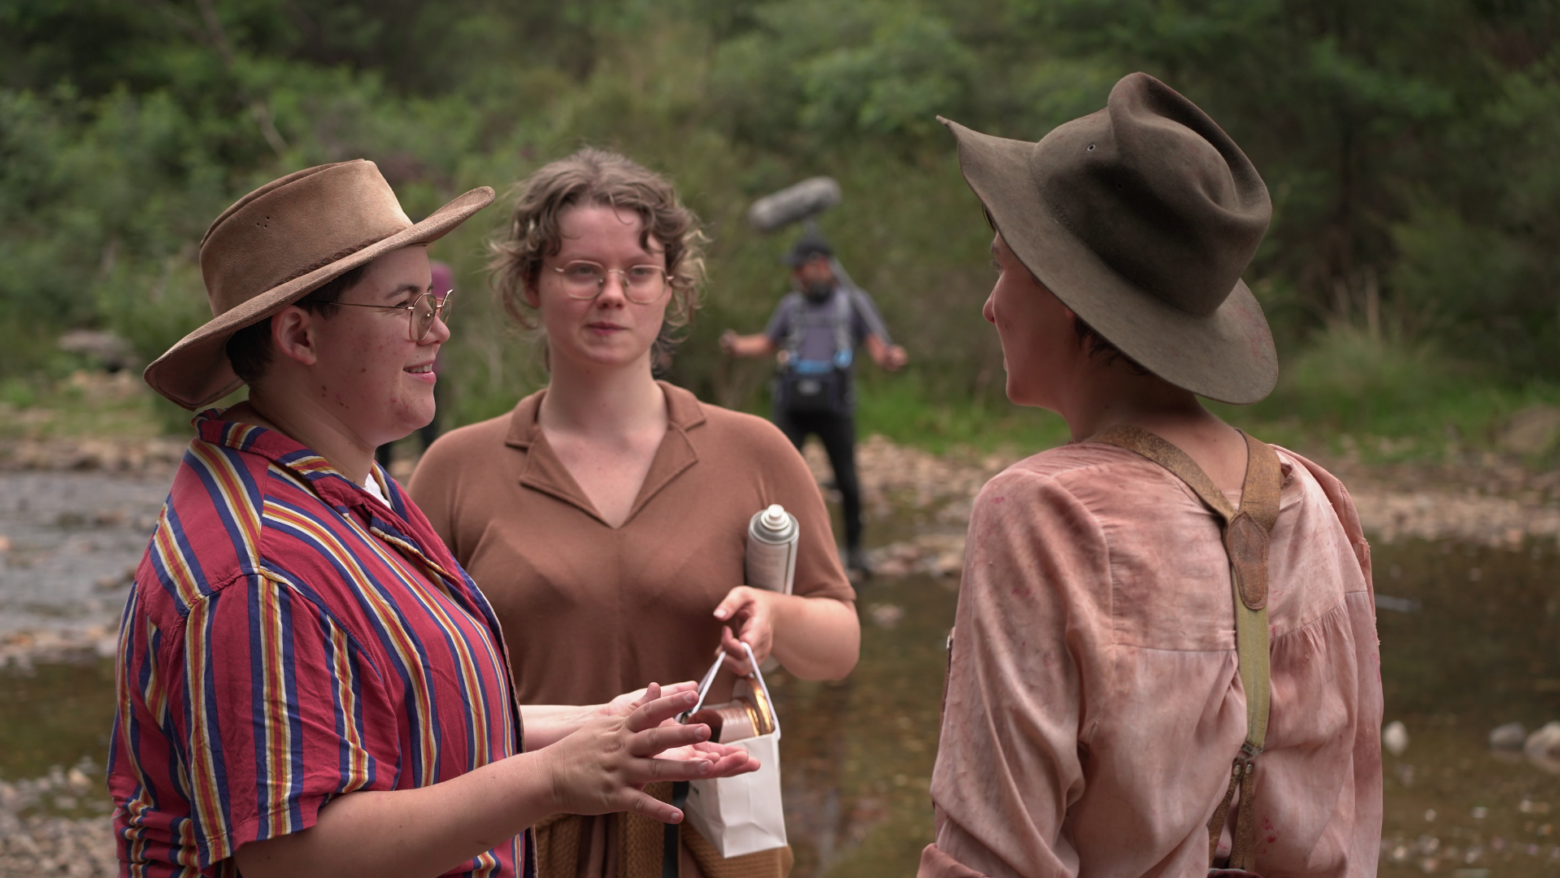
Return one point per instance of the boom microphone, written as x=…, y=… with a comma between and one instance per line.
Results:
x=794, y=204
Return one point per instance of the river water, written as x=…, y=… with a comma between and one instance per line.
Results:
x=1470, y=641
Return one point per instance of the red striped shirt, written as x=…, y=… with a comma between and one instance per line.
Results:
x=291, y=638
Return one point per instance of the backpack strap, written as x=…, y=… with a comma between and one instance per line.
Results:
x=1246, y=533
x=844, y=345
x=793, y=335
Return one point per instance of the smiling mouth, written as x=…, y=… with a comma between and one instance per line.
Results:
x=419, y=370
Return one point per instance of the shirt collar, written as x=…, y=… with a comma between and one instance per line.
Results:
x=683, y=413
x=287, y=453
x=544, y=472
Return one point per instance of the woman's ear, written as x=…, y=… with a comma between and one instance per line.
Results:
x=531, y=295
x=293, y=334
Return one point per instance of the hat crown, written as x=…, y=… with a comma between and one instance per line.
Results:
x=1158, y=191
x=296, y=225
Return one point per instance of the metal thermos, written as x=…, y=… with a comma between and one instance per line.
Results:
x=771, y=549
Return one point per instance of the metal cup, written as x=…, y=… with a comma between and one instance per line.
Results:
x=746, y=715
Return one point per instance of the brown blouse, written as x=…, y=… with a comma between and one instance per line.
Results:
x=590, y=611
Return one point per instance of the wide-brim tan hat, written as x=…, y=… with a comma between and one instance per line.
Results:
x=1140, y=218
x=280, y=242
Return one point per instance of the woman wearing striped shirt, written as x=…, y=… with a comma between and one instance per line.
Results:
x=308, y=683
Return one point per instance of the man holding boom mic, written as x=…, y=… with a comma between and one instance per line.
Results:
x=814, y=333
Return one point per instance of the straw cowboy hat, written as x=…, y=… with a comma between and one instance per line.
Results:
x=280, y=242
x=1140, y=218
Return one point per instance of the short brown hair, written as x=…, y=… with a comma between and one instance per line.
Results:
x=1100, y=346
x=249, y=349
x=594, y=177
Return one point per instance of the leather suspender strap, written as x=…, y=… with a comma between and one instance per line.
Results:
x=1246, y=532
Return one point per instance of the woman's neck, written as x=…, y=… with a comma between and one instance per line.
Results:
x=603, y=402
x=1108, y=395
x=310, y=426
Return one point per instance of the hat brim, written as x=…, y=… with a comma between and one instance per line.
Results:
x=195, y=372
x=1227, y=356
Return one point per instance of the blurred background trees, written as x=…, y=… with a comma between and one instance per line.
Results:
x=1410, y=148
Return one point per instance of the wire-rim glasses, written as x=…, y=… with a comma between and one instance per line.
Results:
x=420, y=314
x=583, y=279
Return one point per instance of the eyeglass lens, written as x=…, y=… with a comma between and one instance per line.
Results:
x=641, y=283
x=426, y=309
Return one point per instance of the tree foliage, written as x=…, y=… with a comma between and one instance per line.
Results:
x=1409, y=148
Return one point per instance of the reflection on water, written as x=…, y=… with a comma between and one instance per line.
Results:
x=1482, y=650
x=1472, y=642
x=55, y=715
x=856, y=756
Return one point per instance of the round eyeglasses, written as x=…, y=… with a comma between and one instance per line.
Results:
x=420, y=314
x=642, y=284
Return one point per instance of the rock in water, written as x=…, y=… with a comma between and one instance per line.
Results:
x=1543, y=748
x=1395, y=738
x=1531, y=431
x=1510, y=736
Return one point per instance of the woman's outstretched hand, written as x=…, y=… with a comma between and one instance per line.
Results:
x=747, y=610
x=604, y=766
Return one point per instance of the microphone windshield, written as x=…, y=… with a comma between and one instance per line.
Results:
x=794, y=203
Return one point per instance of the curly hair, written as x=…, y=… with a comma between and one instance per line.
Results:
x=594, y=177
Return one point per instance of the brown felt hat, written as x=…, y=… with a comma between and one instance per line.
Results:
x=1140, y=218
x=278, y=243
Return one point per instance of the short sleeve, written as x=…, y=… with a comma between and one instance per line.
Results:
x=780, y=321
x=1031, y=627
x=270, y=709
x=789, y=482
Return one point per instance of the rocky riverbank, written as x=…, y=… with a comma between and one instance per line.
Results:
x=1488, y=500
x=74, y=518
x=41, y=843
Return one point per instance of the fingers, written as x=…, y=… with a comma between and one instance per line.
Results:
x=726, y=759
x=653, y=770
x=650, y=693
x=732, y=764
x=735, y=654
x=736, y=761
x=650, y=806
x=736, y=600
x=653, y=713
x=652, y=741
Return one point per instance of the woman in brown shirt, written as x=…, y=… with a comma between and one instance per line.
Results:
x=606, y=517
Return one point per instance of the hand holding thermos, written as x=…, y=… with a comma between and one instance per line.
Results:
x=771, y=567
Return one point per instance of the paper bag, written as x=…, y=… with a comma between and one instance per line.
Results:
x=743, y=814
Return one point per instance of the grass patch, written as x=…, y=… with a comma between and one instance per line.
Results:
x=899, y=407
x=1345, y=394
x=84, y=404
x=1388, y=400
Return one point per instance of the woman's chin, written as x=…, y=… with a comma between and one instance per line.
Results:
x=610, y=358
